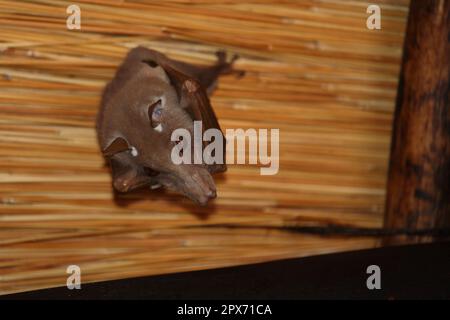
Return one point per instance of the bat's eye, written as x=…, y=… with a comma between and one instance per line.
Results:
x=155, y=115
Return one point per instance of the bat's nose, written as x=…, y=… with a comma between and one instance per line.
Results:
x=209, y=195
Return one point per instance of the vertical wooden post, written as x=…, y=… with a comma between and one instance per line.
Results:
x=418, y=191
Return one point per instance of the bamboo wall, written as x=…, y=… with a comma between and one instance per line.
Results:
x=313, y=70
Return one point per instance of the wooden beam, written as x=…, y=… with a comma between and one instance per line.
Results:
x=418, y=191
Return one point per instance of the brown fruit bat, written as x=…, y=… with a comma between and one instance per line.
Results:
x=149, y=97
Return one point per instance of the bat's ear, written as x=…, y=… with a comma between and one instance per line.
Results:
x=117, y=145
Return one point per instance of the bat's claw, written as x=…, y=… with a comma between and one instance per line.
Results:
x=221, y=57
x=227, y=67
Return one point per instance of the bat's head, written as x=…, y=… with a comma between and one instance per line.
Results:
x=142, y=117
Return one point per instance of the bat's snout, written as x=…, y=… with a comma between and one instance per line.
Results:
x=201, y=187
x=197, y=183
x=193, y=181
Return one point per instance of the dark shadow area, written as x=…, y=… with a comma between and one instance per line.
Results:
x=407, y=272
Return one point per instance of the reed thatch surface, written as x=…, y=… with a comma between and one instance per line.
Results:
x=313, y=70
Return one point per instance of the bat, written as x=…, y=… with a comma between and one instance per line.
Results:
x=149, y=97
